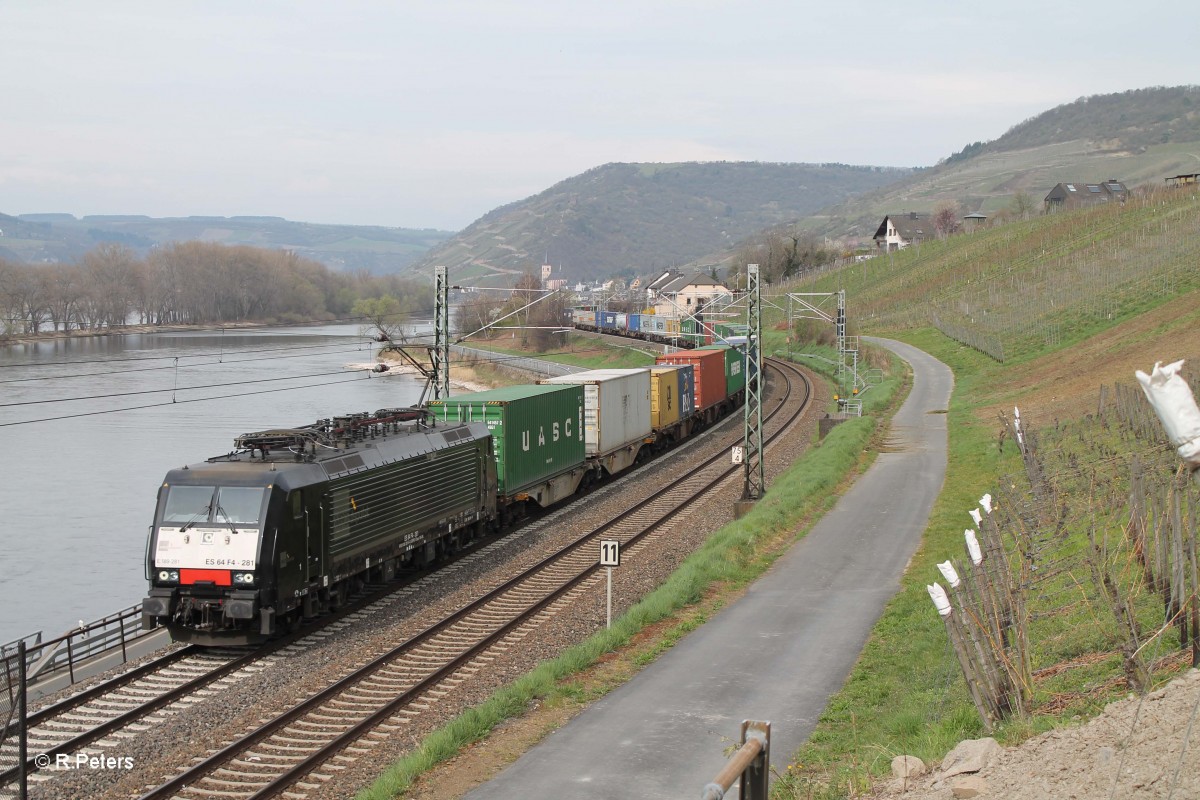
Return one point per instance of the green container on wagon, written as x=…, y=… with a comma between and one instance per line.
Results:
x=537, y=431
x=735, y=367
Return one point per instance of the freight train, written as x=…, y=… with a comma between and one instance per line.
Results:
x=286, y=525
x=686, y=332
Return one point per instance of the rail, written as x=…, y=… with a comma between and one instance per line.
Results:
x=751, y=763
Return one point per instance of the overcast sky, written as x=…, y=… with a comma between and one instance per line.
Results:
x=429, y=114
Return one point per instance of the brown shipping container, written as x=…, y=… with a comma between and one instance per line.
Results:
x=709, y=370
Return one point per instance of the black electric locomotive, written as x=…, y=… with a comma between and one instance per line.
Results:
x=248, y=543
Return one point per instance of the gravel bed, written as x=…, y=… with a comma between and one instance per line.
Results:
x=176, y=736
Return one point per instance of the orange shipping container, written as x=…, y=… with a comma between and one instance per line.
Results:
x=709, y=368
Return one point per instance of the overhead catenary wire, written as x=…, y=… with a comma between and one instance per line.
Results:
x=169, y=389
x=333, y=348
x=367, y=376
x=225, y=359
x=499, y=359
x=217, y=354
x=222, y=329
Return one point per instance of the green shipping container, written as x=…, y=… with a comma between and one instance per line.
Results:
x=537, y=431
x=735, y=367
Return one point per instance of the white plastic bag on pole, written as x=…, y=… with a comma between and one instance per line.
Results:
x=938, y=595
x=975, y=515
x=1176, y=409
x=973, y=548
x=949, y=573
x=986, y=502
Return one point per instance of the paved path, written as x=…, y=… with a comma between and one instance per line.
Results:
x=777, y=654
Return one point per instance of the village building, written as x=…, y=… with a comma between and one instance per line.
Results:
x=675, y=294
x=1066, y=196
x=898, y=231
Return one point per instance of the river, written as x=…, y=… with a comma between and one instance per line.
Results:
x=78, y=477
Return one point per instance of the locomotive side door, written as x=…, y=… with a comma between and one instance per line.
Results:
x=314, y=515
x=291, y=544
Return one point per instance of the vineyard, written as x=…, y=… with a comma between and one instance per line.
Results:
x=1019, y=290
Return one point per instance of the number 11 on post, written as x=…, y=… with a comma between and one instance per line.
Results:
x=610, y=556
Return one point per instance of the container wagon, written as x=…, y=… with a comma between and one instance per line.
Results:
x=672, y=404
x=711, y=398
x=735, y=367
x=538, y=440
x=616, y=414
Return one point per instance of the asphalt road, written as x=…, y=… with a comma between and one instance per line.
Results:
x=777, y=654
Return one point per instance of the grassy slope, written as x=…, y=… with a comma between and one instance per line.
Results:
x=906, y=695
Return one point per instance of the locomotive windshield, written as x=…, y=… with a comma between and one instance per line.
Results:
x=229, y=505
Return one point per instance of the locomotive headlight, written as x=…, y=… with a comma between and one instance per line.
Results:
x=168, y=576
x=244, y=578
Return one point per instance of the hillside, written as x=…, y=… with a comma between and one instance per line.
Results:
x=1052, y=315
x=634, y=219
x=1137, y=137
x=62, y=237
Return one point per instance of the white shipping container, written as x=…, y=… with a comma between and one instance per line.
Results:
x=616, y=407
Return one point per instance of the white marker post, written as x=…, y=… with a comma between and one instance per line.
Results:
x=610, y=556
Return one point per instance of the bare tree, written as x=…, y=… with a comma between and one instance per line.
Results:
x=65, y=287
x=382, y=317
x=1022, y=205
x=946, y=218
x=475, y=311
x=109, y=281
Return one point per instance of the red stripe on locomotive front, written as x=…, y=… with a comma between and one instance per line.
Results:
x=221, y=577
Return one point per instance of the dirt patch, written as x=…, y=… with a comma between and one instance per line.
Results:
x=1139, y=747
x=1067, y=384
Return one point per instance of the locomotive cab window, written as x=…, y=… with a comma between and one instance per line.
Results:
x=188, y=504
x=239, y=505
x=225, y=505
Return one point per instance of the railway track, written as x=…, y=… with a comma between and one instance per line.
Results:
x=300, y=748
x=85, y=718
x=139, y=698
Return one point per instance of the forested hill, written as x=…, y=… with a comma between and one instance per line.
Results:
x=1137, y=137
x=635, y=219
x=41, y=238
x=1133, y=120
